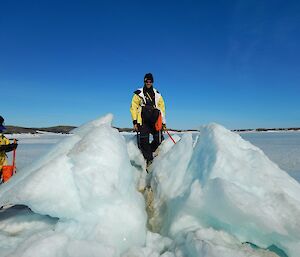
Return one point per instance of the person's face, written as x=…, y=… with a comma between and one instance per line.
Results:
x=148, y=83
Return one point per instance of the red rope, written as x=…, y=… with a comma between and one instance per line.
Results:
x=170, y=136
x=14, y=159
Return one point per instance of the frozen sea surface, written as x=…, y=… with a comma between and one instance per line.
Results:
x=33, y=146
x=283, y=148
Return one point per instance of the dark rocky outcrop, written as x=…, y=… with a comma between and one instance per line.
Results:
x=56, y=129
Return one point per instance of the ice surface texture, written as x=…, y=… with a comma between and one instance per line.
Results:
x=223, y=191
x=86, y=182
x=213, y=193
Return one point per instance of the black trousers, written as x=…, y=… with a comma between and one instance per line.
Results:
x=143, y=138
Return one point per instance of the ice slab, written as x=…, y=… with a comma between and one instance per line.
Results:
x=87, y=182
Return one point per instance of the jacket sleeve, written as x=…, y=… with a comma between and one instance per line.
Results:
x=4, y=140
x=161, y=106
x=5, y=145
x=135, y=105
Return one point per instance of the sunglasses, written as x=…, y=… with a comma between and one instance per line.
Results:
x=148, y=81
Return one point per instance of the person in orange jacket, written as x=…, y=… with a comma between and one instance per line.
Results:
x=146, y=105
x=5, y=145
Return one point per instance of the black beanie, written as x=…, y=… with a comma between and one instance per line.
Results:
x=148, y=76
x=1, y=120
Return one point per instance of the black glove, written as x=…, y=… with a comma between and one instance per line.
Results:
x=164, y=126
x=8, y=148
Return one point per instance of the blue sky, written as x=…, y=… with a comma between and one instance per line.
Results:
x=231, y=62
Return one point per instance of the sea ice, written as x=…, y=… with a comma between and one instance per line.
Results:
x=214, y=195
x=86, y=182
x=228, y=185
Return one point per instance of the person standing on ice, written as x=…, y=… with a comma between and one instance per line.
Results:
x=147, y=111
x=5, y=146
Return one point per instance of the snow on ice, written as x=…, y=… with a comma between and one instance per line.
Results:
x=213, y=195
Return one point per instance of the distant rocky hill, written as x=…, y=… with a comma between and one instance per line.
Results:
x=60, y=129
x=56, y=129
x=68, y=129
x=267, y=129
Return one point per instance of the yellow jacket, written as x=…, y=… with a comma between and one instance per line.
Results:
x=139, y=100
x=3, y=160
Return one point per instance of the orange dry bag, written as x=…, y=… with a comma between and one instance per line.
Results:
x=9, y=170
x=158, y=123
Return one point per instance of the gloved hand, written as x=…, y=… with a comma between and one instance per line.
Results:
x=14, y=145
x=8, y=148
x=135, y=128
x=164, y=126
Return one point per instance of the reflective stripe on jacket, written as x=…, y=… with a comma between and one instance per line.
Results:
x=139, y=100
